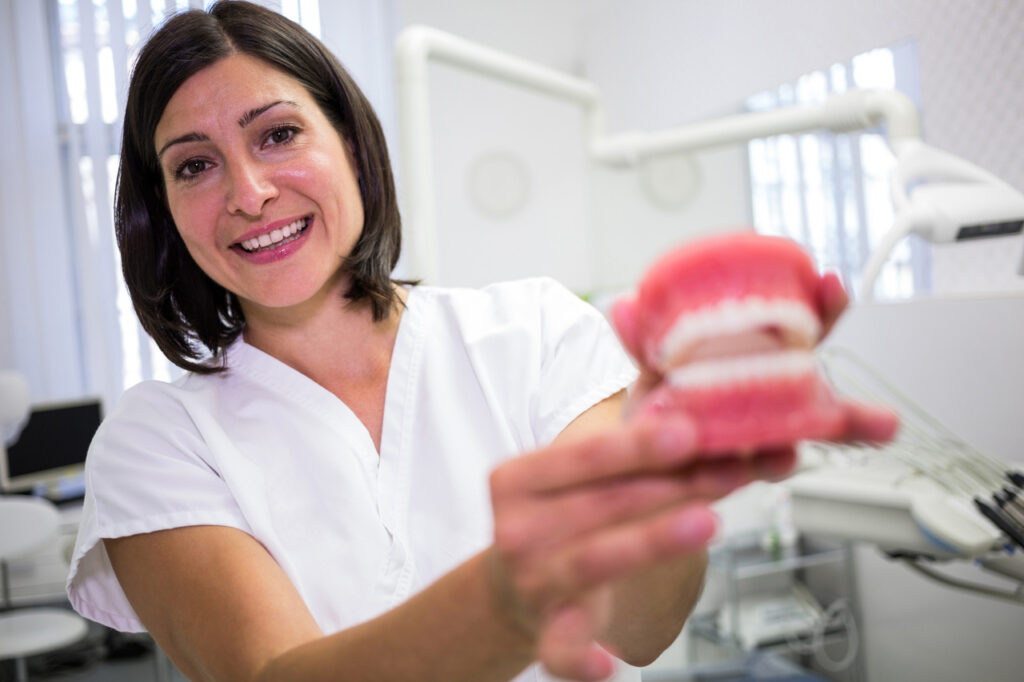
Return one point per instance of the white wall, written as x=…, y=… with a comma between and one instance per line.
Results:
x=473, y=119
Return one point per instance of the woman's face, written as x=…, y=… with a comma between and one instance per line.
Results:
x=261, y=186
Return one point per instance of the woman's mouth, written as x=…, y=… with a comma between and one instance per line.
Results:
x=275, y=238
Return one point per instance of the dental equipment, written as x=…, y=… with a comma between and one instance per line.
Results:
x=943, y=199
x=926, y=497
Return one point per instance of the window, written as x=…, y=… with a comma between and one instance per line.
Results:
x=830, y=191
x=95, y=43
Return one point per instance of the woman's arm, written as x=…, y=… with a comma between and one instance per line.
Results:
x=220, y=606
x=223, y=610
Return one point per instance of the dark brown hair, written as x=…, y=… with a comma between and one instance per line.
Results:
x=189, y=316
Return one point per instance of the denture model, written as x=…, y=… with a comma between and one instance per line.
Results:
x=731, y=322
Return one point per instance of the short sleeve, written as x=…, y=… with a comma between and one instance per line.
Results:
x=582, y=360
x=147, y=470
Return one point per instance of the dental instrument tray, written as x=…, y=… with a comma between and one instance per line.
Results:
x=927, y=495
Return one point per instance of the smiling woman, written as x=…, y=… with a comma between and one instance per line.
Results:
x=261, y=98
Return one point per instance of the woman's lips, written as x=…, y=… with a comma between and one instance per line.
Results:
x=276, y=244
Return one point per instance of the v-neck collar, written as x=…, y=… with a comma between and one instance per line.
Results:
x=290, y=384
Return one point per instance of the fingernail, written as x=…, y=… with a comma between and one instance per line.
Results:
x=598, y=665
x=675, y=437
x=656, y=404
x=697, y=526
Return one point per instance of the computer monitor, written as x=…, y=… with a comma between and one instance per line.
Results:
x=51, y=448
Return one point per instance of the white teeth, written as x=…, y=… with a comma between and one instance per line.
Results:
x=743, y=369
x=274, y=237
x=797, y=322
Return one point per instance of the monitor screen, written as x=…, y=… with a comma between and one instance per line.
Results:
x=52, y=446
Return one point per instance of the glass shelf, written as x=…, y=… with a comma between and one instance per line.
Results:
x=745, y=558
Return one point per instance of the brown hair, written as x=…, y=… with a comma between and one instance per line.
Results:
x=189, y=316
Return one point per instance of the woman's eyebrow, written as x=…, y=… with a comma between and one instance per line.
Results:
x=251, y=115
x=187, y=137
x=247, y=118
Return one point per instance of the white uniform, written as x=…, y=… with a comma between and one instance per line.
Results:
x=476, y=376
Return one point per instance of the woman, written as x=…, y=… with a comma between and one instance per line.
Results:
x=331, y=491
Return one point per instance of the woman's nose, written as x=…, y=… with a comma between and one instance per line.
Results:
x=249, y=188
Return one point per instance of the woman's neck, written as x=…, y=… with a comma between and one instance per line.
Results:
x=331, y=341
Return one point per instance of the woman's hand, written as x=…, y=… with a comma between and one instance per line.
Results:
x=575, y=518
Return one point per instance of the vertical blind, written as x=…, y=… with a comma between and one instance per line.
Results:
x=830, y=191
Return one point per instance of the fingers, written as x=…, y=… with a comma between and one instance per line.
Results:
x=541, y=579
x=567, y=648
x=646, y=445
x=627, y=548
x=870, y=424
x=832, y=300
x=591, y=508
x=774, y=465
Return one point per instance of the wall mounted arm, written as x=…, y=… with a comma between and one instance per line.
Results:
x=417, y=46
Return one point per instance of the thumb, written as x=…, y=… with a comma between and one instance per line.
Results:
x=567, y=647
x=624, y=320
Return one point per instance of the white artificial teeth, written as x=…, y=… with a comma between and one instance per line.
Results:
x=734, y=316
x=274, y=237
x=743, y=369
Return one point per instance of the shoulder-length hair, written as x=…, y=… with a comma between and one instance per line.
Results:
x=190, y=317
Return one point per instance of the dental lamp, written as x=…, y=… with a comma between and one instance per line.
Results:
x=943, y=198
x=14, y=405
x=937, y=195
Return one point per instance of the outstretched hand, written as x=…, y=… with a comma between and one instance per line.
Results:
x=573, y=519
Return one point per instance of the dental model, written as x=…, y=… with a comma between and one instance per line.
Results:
x=731, y=323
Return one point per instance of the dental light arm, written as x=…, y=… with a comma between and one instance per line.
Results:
x=937, y=195
x=949, y=199
x=417, y=46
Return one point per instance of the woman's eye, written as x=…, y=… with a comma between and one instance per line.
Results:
x=190, y=168
x=282, y=135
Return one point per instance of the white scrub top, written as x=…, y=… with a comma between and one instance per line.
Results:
x=476, y=376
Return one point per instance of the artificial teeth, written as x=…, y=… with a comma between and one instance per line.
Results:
x=743, y=369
